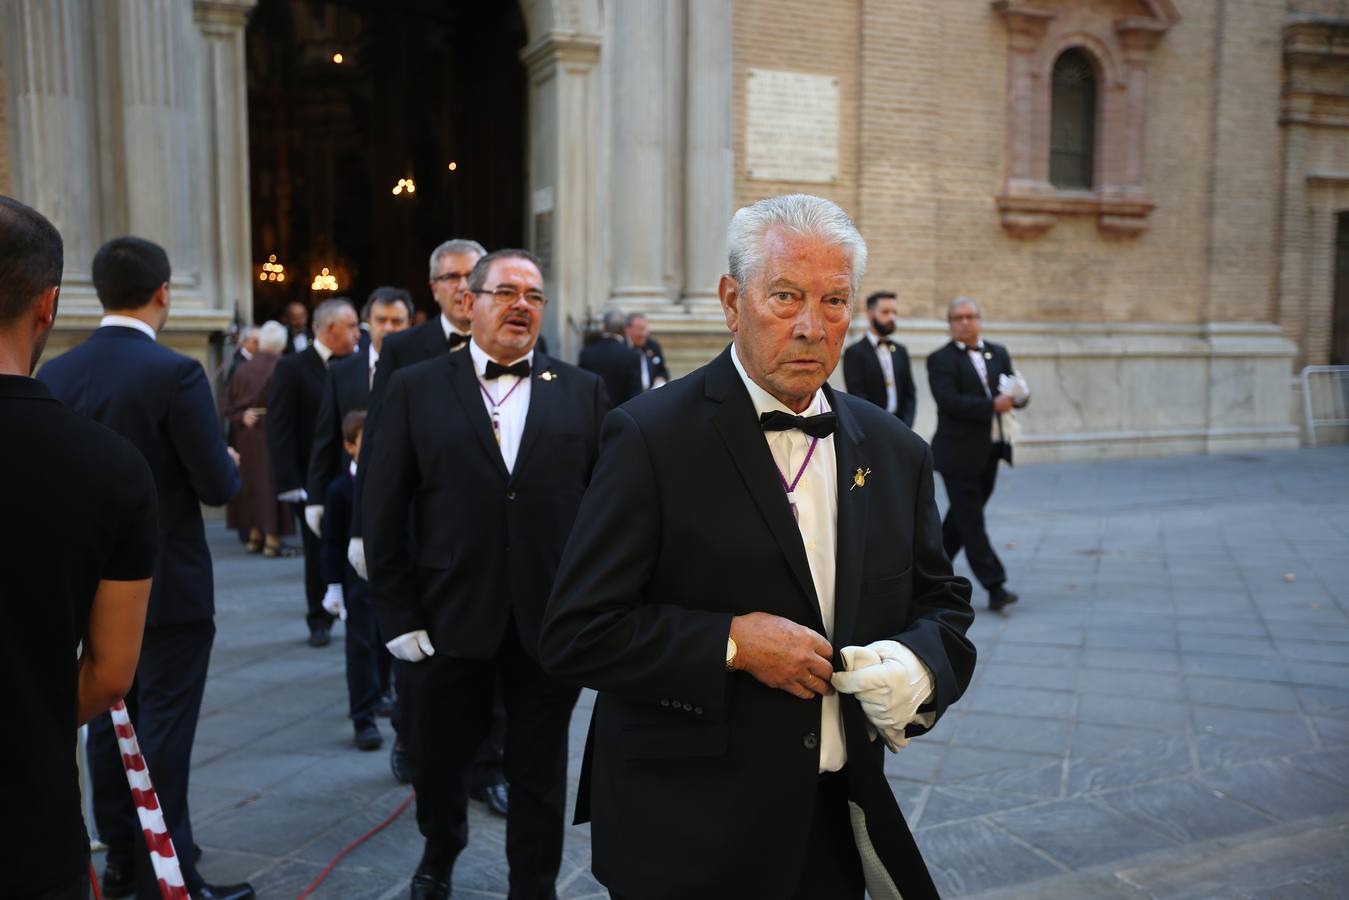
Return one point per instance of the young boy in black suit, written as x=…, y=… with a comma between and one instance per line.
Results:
x=348, y=596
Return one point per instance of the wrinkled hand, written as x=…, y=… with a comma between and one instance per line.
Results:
x=250, y=418
x=313, y=517
x=1002, y=403
x=412, y=647
x=782, y=654
x=890, y=682
x=356, y=556
x=234, y=455
x=334, y=603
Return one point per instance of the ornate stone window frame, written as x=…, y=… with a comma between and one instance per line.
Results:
x=1120, y=45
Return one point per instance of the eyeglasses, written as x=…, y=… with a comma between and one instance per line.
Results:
x=966, y=317
x=503, y=294
x=451, y=276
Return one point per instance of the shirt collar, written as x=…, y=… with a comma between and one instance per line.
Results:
x=374, y=355
x=352, y=468
x=448, y=327
x=968, y=349
x=25, y=388
x=127, y=322
x=480, y=358
x=243, y=351
x=324, y=353
x=766, y=402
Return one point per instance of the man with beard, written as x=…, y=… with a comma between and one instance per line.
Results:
x=877, y=366
x=483, y=455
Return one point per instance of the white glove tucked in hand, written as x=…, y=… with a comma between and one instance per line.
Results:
x=356, y=556
x=334, y=602
x=890, y=682
x=412, y=647
x=296, y=496
x=1014, y=386
x=313, y=517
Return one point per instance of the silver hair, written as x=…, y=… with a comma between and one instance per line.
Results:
x=329, y=310
x=801, y=214
x=614, y=321
x=248, y=331
x=457, y=245
x=272, y=337
x=962, y=300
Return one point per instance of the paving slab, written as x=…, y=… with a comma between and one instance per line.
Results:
x=1163, y=714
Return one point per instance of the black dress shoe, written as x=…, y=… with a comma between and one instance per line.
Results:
x=1000, y=597
x=224, y=892
x=119, y=879
x=368, y=737
x=404, y=769
x=496, y=797
x=320, y=636
x=432, y=878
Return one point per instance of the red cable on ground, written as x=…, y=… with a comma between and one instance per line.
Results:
x=313, y=885
x=93, y=880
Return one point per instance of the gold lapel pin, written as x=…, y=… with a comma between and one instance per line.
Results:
x=547, y=376
x=859, y=479
x=987, y=355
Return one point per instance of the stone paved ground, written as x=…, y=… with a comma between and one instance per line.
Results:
x=1166, y=713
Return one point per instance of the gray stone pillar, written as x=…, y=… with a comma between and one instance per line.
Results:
x=709, y=162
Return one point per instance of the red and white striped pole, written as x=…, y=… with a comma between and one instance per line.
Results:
x=167, y=871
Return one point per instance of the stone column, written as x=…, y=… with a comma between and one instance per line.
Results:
x=638, y=167
x=225, y=91
x=709, y=173
x=48, y=49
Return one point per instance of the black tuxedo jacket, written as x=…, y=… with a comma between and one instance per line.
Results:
x=863, y=377
x=293, y=400
x=655, y=359
x=161, y=402
x=487, y=541
x=618, y=364
x=686, y=525
x=346, y=387
x=964, y=411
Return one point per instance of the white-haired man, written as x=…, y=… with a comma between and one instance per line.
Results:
x=755, y=584
x=292, y=410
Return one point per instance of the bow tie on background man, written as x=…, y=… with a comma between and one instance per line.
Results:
x=495, y=371
x=456, y=340
x=820, y=426
x=887, y=344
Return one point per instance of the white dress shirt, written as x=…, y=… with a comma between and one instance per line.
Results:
x=448, y=327
x=816, y=497
x=127, y=322
x=976, y=355
x=887, y=359
x=509, y=403
x=299, y=342
x=374, y=359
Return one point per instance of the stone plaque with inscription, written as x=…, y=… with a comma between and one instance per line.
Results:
x=791, y=126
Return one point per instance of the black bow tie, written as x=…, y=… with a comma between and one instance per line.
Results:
x=820, y=426
x=969, y=348
x=456, y=340
x=494, y=371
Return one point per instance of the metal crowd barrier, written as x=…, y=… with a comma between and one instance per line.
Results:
x=1325, y=398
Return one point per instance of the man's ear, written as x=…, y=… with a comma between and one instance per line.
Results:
x=161, y=296
x=45, y=307
x=729, y=291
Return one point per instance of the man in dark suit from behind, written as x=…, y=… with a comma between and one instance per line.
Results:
x=748, y=535
x=293, y=401
x=638, y=333
x=160, y=401
x=78, y=540
x=472, y=483
x=877, y=366
x=970, y=440
x=610, y=357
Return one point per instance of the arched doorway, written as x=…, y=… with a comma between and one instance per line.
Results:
x=378, y=129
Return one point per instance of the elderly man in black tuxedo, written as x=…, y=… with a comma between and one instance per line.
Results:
x=293, y=401
x=484, y=454
x=161, y=401
x=877, y=366
x=755, y=585
x=966, y=380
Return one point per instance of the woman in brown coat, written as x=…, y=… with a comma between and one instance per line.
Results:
x=255, y=508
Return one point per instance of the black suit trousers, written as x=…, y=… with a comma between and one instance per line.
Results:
x=366, y=683
x=314, y=588
x=964, y=523
x=164, y=704
x=451, y=714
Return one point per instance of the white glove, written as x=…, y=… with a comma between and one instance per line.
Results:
x=334, y=602
x=412, y=647
x=356, y=556
x=296, y=496
x=313, y=517
x=890, y=682
x=1014, y=386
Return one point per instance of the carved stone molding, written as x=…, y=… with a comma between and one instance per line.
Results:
x=1119, y=37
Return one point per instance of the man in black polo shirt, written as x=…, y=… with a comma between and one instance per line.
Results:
x=77, y=545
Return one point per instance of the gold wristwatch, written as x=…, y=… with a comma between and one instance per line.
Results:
x=731, y=650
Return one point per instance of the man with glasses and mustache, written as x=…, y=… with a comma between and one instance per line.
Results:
x=482, y=455
x=974, y=385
